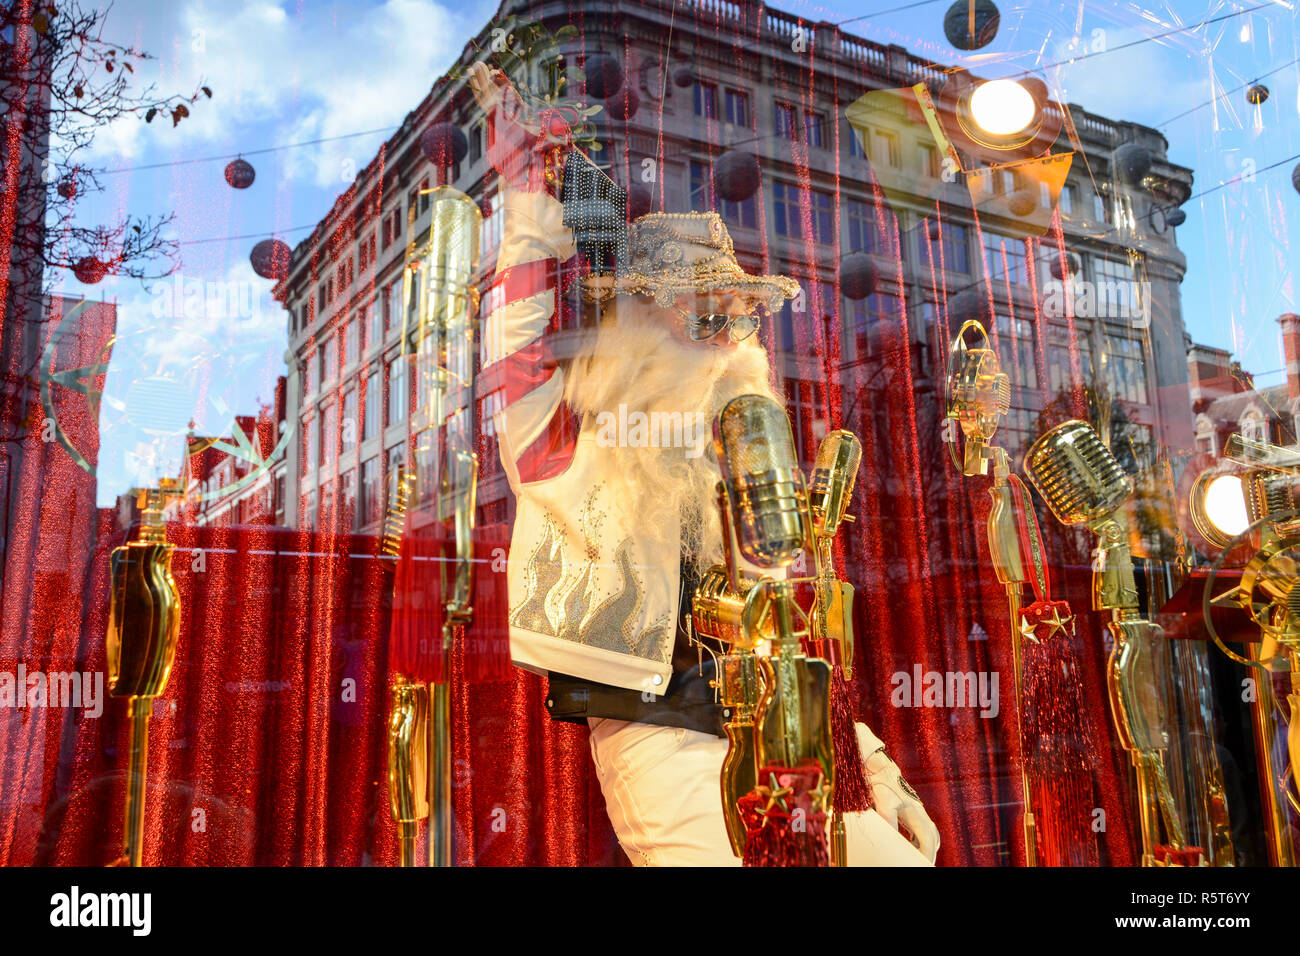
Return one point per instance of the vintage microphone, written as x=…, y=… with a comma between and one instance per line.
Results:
x=794, y=756
x=440, y=301
x=1084, y=485
x=143, y=628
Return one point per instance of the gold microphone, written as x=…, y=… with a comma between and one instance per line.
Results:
x=143, y=629
x=440, y=300
x=835, y=473
x=768, y=507
x=1084, y=485
x=979, y=396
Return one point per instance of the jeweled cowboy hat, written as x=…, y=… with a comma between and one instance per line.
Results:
x=674, y=253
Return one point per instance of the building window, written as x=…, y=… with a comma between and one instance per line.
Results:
x=1124, y=368
x=1117, y=295
x=398, y=393
x=859, y=320
x=493, y=226
x=790, y=204
x=1014, y=339
x=856, y=138
x=349, y=424
x=311, y=439
x=703, y=197
x=949, y=250
x=352, y=338
x=374, y=392
x=737, y=108
x=392, y=305
x=347, y=501
x=705, y=100
x=329, y=361
x=396, y=471
x=785, y=120
x=329, y=433
x=927, y=160
x=1061, y=359
x=309, y=376
x=307, y=519
x=1004, y=256
x=368, y=506
x=862, y=225
x=884, y=148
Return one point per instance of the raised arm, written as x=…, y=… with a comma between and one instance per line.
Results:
x=536, y=431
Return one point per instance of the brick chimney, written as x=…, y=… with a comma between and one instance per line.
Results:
x=1290, y=323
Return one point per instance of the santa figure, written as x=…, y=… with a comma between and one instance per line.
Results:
x=607, y=449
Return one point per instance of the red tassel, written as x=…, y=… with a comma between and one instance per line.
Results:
x=1059, y=755
x=852, y=795
x=784, y=821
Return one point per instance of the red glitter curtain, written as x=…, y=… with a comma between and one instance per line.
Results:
x=269, y=745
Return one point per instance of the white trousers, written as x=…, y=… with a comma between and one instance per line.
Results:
x=661, y=787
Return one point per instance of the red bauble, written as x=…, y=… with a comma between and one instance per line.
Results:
x=857, y=276
x=623, y=106
x=270, y=259
x=89, y=270
x=444, y=144
x=604, y=75
x=640, y=200
x=737, y=175
x=240, y=174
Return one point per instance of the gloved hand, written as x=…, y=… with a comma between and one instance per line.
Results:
x=895, y=800
x=525, y=149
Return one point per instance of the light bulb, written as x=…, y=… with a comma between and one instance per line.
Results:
x=1225, y=505
x=1002, y=107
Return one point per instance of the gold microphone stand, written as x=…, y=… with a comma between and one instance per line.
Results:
x=979, y=395
x=143, y=629
x=1083, y=484
x=440, y=302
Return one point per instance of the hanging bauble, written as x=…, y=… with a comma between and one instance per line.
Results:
x=485, y=207
x=240, y=173
x=67, y=187
x=736, y=175
x=933, y=230
x=857, y=276
x=1022, y=203
x=1132, y=163
x=970, y=304
x=89, y=270
x=957, y=24
x=623, y=104
x=683, y=76
x=1072, y=264
x=604, y=75
x=1175, y=217
x=270, y=259
x=1295, y=177
x=640, y=200
x=1257, y=94
x=444, y=144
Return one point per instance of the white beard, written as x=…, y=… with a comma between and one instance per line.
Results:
x=633, y=360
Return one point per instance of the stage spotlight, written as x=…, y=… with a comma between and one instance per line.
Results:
x=1218, y=505
x=1002, y=107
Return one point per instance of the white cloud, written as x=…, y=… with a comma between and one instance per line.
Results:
x=323, y=72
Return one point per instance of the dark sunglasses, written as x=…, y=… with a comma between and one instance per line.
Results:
x=701, y=328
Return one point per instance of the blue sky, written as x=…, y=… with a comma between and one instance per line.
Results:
x=285, y=73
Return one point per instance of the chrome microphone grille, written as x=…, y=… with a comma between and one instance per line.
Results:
x=1076, y=474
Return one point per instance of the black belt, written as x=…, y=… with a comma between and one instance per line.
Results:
x=688, y=702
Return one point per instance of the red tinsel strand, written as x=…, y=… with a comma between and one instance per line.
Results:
x=1059, y=755
x=852, y=794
